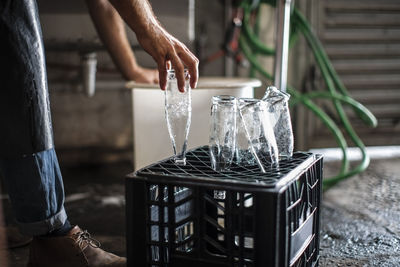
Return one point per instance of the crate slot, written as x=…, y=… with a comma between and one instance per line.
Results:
x=216, y=249
x=301, y=238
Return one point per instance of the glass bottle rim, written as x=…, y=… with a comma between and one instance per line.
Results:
x=225, y=99
x=275, y=94
x=244, y=102
x=249, y=100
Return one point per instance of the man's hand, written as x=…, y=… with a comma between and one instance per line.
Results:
x=156, y=41
x=166, y=49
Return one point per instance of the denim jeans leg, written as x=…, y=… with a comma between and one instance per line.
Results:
x=34, y=184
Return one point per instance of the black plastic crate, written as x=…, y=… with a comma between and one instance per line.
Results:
x=190, y=216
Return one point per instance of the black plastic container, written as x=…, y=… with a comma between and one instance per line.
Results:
x=189, y=216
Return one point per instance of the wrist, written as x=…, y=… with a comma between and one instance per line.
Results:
x=147, y=30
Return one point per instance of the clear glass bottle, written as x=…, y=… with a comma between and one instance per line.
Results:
x=260, y=136
x=278, y=109
x=178, y=113
x=222, y=143
x=244, y=153
x=223, y=132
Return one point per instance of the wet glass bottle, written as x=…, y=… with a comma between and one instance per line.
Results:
x=223, y=132
x=178, y=113
x=279, y=113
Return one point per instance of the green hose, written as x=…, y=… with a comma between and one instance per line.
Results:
x=250, y=45
x=346, y=99
x=299, y=20
x=322, y=62
x=254, y=43
x=252, y=72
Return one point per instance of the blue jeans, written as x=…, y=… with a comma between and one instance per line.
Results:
x=34, y=184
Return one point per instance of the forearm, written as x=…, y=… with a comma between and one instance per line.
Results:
x=140, y=17
x=111, y=30
x=156, y=41
x=138, y=14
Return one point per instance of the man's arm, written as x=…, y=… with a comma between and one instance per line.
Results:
x=156, y=41
x=111, y=30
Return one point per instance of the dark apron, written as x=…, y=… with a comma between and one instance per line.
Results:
x=25, y=121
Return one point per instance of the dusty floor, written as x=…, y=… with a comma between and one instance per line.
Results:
x=360, y=216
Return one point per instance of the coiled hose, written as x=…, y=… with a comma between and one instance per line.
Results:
x=251, y=46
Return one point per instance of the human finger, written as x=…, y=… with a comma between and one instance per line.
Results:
x=194, y=73
x=162, y=75
x=192, y=64
x=179, y=71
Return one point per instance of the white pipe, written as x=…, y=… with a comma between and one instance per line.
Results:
x=282, y=43
x=89, y=63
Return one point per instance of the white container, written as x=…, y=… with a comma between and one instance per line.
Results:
x=151, y=142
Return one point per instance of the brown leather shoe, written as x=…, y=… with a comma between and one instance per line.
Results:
x=75, y=249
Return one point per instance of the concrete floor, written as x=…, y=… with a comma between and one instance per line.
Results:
x=360, y=217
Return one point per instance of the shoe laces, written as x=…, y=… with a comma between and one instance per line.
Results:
x=84, y=237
